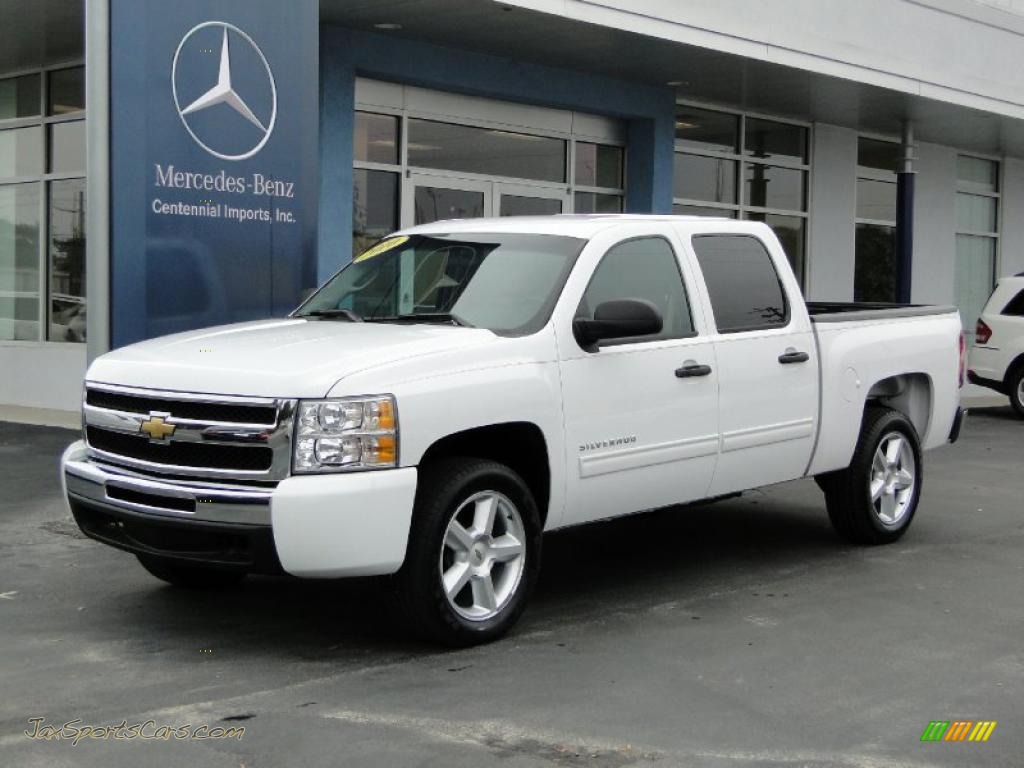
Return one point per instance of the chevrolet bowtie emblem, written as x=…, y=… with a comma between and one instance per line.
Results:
x=156, y=427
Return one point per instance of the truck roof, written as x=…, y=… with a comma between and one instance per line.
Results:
x=583, y=225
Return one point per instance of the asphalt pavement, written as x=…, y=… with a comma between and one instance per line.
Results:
x=738, y=634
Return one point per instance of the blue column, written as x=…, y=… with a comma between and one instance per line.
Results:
x=337, y=117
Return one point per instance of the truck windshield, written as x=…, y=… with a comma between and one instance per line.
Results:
x=507, y=283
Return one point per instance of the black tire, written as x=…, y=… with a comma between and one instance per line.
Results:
x=190, y=576
x=848, y=491
x=1013, y=389
x=443, y=490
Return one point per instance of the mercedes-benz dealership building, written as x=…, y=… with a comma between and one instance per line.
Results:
x=167, y=166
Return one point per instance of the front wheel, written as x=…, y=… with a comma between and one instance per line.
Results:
x=474, y=552
x=873, y=501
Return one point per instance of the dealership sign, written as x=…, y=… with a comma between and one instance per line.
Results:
x=214, y=114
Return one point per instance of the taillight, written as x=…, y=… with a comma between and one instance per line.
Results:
x=963, y=359
x=982, y=333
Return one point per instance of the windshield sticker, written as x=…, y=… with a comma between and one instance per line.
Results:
x=381, y=247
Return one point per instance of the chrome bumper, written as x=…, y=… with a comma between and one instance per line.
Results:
x=118, y=490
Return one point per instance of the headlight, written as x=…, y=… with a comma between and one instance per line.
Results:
x=344, y=434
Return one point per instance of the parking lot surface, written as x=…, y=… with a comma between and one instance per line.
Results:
x=743, y=633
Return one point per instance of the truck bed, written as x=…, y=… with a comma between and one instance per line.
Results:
x=845, y=311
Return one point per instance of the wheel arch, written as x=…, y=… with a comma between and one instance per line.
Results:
x=911, y=394
x=1011, y=370
x=519, y=445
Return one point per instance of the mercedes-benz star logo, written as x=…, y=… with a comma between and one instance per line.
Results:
x=223, y=92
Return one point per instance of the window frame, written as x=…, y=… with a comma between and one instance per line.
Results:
x=738, y=211
x=789, y=316
x=42, y=122
x=629, y=340
x=966, y=188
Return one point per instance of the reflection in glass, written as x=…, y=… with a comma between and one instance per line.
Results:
x=712, y=179
x=777, y=141
x=875, y=267
x=876, y=200
x=67, y=91
x=975, y=275
x=67, y=260
x=705, y=129
x=67, y=147
x=19, y=97
x=375, y=138
x=702, y=210
x=770, y=186
x=21, y=152
x=436, y=203
x=975, y=213
x=790, y=231
x=598, y=165
x=977, y=174
x=19, y=261
x=594, y=202
x=486, y=151
x=374, y=207
x=520, y=205
x=876, y=155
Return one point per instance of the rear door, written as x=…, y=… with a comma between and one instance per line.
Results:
x=767, y=361
x=641, y=414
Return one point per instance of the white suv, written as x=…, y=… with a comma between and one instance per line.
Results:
x=997, y=359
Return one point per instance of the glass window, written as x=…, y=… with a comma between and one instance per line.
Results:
x=521, y=205
x=67, y=91
x=595, y=202
x=645, y=268
x=1015, y=307
x=67, y=147
x=975, y=275
x=507, y=283
x=712, y=179
x=701, y=210
x=19, y=261
x=790, y=231
x=876, y=155
x=975, y=213
x=485, y=151
x=67, y=260
x=774, y=187
x=375, y=138
x=21, y=151
x=705, y=129
x=742, y=283
x=876, y=200
x=19, y=97
x=776, y=141
x=976, y=174
x=437, y=203
x=374, y=207
x=875, y=268
x=598, y=165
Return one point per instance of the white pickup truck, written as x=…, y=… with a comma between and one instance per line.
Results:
x=464, y=386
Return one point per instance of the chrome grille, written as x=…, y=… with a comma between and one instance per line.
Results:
x=214, y=436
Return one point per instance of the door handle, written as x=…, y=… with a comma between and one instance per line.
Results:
x=692, y=369
x=792, y=356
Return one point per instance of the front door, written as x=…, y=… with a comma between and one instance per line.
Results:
x=641, y=414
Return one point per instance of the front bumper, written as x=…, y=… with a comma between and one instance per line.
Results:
x=324, y=526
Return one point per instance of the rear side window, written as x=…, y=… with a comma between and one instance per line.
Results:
x=745, y=290
x=645, y=268
x=1016, y=306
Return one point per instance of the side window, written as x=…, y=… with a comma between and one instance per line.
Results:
x=745, y=290
x=645, y=268
x=1016, y=306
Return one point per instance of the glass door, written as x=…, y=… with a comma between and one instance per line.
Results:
x=428, y=198
x=527, y=200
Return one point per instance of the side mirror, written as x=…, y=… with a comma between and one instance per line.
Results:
x=617, y=319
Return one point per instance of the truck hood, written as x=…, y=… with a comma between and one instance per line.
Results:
x=275, y=358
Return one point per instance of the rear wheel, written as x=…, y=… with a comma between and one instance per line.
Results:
x=190, y=576
x=873, y=501
x=474, y=552
x=1015, y=388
